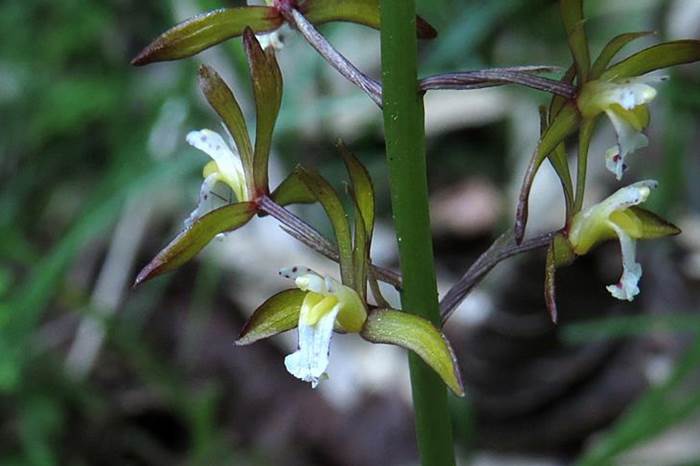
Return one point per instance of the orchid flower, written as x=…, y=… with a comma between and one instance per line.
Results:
x=625, y=102
x=327, y=304
x=320, y=305
x=618, y=217
x=225, y=167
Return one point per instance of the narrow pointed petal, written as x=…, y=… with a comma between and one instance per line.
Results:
x=418, y=335
x=564, y=124
x=310, y=361
x=206, y=30
x=362, y=186
x=655, y=58
x=572, y=16
x=267, y=89
x=222, y=100
x=652, y=225
x=611, y=49
x=278, y=314
x=193, y=239
x=627, y=288
x=364, y=12
x=328, y=197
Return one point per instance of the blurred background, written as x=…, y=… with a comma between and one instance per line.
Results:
x=96, y=177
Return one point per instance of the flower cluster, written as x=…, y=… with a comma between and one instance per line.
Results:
x=235, y=184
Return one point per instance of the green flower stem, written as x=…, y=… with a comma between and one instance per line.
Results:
x=405, y=149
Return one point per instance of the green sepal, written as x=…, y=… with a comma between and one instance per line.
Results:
x=560, y=163
x=572, y=16
x=292, y=190
x=364, y=12
x=327, y=196
x=652, y=225
x=563, y=125
x=611, y=49
x=361, y=186
x=267, y=90
x=360, y=251
x=418, y=335
x=222, y=100
x=654, y=58
x=362, y=193
x=193, y=239
x=278, y=314
x=206, y=30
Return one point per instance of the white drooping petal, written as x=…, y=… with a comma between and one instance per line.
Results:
x=227, y=162
x=628, y=141
x=310, y=361
x=627, y=287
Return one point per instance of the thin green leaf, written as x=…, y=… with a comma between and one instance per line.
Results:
x=662, y=407
x=418, y=335
x=293, y=191
x=611, y=49
x=356, y=11
x=616, y=327
x=223, y=101
x=326, y=195
x=276, y=315
x=267, y=88
x=572, y=16
x=206, y=30
x=193, y=239
x=655, y=58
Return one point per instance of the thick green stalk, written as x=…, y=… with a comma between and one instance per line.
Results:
x=405, y=148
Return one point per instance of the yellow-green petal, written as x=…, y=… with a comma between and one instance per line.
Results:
x=276, y=315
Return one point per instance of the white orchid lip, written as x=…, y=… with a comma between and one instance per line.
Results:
x=225, y=167
x=597, y=223
x=328, y=304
